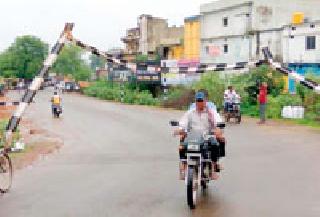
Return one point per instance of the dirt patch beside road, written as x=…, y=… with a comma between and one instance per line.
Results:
x=38, y=142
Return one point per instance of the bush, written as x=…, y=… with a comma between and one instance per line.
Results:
x=215, y=86
x=108, y=91
x=275, y=104
x=250, y=110
x=179, y=97
x=144, y=98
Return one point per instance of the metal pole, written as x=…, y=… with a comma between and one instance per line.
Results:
x=122, y=87
x=35, y=85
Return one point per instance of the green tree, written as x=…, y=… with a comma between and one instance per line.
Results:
x=96, y=61
x=141, y=58
x=70, y=62
x=24, y=58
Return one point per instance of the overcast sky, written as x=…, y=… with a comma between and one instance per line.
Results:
x=99, y=23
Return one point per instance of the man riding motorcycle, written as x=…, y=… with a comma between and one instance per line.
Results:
x=209, y=104
x=202, y=119
x=55, y=102
x=229, y=96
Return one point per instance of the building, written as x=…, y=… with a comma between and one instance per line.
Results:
x=116, y=51
x=151, y=31
x=192, y=38
x=155, y=33
x=301, y=48
x=131, y=41
x=235, y=30
x=187, y=53
x=153, y=36
x=171, y=48
x=301, y=43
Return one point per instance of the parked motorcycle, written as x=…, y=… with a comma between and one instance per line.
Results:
x=199, y=163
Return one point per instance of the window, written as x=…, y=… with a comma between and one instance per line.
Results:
x=225, y=48
x=310, y=42
x=207, y=49
x=225, y=21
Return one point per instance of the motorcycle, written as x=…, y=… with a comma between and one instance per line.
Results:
x=199, y=163
x=57, y=110
x=233, y=110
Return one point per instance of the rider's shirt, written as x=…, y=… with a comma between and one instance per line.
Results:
x=210, y=105
x=56, y=100
x=199, y=122
x=230, y=96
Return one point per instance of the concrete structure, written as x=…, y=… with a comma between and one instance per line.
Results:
x=301, y=43
x=149, y=28
x=192, y=38
x=171, y=46
x=176, y=52
x=155, y=32
x=235, y=30
x=131, y=41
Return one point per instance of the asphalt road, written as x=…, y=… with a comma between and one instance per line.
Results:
x=121, y=160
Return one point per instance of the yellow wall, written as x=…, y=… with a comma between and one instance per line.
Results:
x=176, y=52
x=192, y=39
x=286, y=84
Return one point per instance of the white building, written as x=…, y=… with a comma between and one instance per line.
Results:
x=301, y=43
x=235, y=30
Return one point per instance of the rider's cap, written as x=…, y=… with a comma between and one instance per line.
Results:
x=199, y=96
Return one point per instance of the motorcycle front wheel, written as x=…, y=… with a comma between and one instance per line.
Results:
x=192, y=187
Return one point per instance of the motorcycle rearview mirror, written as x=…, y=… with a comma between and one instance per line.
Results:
x=221, y=125
x=174, y=123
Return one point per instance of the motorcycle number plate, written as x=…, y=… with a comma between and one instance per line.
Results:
x=192, y=163
x=193, y=147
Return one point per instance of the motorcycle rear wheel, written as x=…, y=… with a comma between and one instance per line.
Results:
x=239, y=119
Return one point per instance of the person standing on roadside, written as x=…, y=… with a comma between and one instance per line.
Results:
x=263, y=92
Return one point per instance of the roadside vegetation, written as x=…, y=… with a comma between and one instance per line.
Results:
x=112, y=91
x=25, y=56
x=247, y=85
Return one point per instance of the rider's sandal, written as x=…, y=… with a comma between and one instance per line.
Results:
x=220, y=167
x=217, y=168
